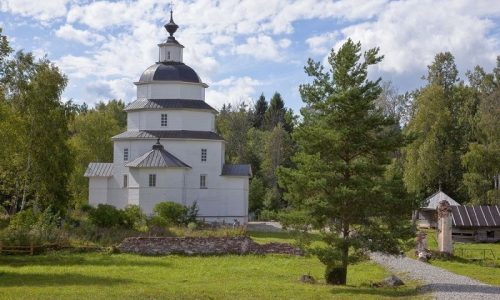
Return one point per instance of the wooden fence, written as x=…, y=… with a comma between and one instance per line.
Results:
x=34, y=249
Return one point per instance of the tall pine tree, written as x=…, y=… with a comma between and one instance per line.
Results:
x=338, y=185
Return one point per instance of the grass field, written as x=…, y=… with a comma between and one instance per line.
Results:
x=469, y=262
x=123, y=276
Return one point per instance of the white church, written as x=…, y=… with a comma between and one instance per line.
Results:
x=170, y=151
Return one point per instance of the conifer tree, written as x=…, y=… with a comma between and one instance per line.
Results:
x=338, y=185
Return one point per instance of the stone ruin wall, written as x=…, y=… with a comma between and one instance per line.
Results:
x=203, y=246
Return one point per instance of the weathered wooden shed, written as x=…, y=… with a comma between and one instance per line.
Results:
x=476, y=223
x=426, y=216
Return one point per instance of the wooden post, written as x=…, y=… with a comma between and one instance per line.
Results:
x=31, y=248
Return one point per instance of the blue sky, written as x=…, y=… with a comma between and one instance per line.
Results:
x=243, y=48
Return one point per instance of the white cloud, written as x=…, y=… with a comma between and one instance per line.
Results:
x=232, y=90
x=40, y=10
x=85, y=37
x=321, y=44
x=77, y=66
x=410, y=33
x=263, y=47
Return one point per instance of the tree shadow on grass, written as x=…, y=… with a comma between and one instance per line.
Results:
x=12, y=279
x=382, y=292
x=65, y=259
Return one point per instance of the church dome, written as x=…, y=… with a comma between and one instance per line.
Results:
x=170, y=71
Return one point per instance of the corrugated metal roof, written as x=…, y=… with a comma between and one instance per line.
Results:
x=99, y=170
x=169, y=134
x=157, y=158
x=236, y=170
x=432, y=201
x=168, y=103
x=476, y=216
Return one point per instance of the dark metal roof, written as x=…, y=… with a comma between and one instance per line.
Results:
x=99, y=170
x=170, y=71
x=169, y=134
x=237, y=170
x=476, y=216
x=157, y=158
x=168, y=103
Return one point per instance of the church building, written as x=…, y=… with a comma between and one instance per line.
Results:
x=171, y=151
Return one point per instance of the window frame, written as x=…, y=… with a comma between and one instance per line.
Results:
x=126, y=154
x=164, y=120
x=203, y=181
x=152, y=180
x=125, y=181
x=204, y=154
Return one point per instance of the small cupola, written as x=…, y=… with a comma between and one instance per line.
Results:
x=158, y=146
x=171, y=49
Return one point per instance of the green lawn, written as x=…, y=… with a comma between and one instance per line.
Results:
x=469, y=261
x=67, y=275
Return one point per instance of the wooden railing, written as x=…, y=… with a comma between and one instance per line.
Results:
x=29, y=249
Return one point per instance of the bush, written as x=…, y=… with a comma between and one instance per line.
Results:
x=106, y=216
x=268, y=215
x=192, y=213
x=27, y=228
x=192, y=225
x=134, y=217
x=172, y=213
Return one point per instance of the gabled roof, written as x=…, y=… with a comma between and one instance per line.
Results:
x=237, y=170
x=169, y=134
x=476, y=216
x=99, y=170
x=168, y=104
x=432, y=201
x=157, y=158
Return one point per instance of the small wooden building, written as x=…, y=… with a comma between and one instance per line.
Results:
x=476, y=223
x=426, y=216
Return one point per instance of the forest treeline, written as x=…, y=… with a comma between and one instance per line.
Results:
x=450, y=127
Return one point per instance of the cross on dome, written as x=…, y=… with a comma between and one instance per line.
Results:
x=171, y=27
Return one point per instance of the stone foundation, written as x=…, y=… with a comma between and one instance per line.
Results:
x=203, y=246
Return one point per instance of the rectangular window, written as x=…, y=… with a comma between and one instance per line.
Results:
x=125, y=154
x=164, y=120
x=203, y=154
x=168, y=55
x=125, y=180
x=152, y=179
x=203, y=181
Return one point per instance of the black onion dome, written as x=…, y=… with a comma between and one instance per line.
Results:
x=170, y=71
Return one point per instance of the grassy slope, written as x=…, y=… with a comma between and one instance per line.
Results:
x=123, y=276
x=488, y=272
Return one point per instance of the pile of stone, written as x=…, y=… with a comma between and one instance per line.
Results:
x=203, y=246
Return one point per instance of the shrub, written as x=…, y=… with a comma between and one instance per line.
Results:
x=268, y=215
x=106, y=216
x=26, y=228
x=192, y=225
x=4, y=218
x=134, y=217
x=192, y=213
x=172, y=213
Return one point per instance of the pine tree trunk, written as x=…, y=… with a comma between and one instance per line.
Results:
x=338, y=274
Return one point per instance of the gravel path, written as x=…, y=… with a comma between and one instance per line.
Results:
x=443, y=284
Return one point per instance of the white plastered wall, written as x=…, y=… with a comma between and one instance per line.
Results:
x=171, y=90
x=225, y=197
x=176, y=120
x=98, y=190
